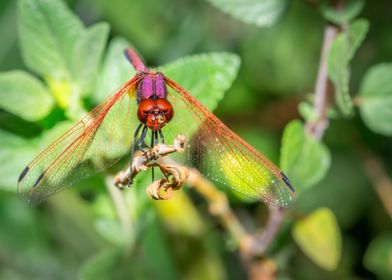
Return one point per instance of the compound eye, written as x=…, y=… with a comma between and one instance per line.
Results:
x=145, y=107
x=166, y=108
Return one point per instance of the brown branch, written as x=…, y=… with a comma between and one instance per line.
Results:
x=175, y=176
x=219, y=207
x=262, y=241
x=144, y=160
x=323, y=87
x=315, y=128
x=381, y=182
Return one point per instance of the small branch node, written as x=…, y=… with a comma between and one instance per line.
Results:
x=144, y=160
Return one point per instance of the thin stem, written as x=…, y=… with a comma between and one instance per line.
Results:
x=316, y=128
x=121, y=208
x=261, y=243
x=382, y=184
x=218, y=205
x=322, y=88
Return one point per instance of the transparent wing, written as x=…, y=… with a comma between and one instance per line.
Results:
x=221, y=155
x=94, y=143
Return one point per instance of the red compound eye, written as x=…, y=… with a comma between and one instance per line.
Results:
x=166, y=108
x=145, y=107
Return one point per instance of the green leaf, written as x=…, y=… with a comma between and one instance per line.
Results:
x=88, y=54
x=48, y=32
x=155, y=247
x=111, y=230
x=376, y=98
x=205, y=76
x=56, y=45
x=102, y=266
x=273, y=59
x=49, y=136
x=15, y=154
x=24, y=95
x=318, y=235
x=342, y=16
x=307, y=111
x=262, y=13
x=340, y=54
x=378, y=256
x=116, y=70
x=304, y=159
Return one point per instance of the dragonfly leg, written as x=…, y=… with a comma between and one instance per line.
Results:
x=134, y=141
x=161, y=136
x=142, y=138
x=132, y=152
x=152, y=145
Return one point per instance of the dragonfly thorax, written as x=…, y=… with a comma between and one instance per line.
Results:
x=151, y=85
x=155, y=113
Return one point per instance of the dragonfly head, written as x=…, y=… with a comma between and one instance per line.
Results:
x=155, y=113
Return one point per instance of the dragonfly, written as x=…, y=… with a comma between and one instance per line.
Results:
x=151, y=107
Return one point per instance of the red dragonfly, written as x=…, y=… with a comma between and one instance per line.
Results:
x=164, y=109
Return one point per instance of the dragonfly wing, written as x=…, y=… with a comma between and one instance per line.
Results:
x=94, y=143
x=222, y=156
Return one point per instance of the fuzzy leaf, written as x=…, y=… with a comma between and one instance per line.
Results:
x=102, y=266
x=350, y=10
x=376, y=98
x=116, y=70
x=88, y=54
x=15, y=153
x=262, y=13
x=24, y=95
x=339, y=57
x=48, y=32
x=205, y=76
x=304, y=159
x=318, y=235
x=378, y=256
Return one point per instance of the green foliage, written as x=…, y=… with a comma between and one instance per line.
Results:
x=116, y=70
x=339, y=57
x=376, y=98
x=56, y=45
x=87, y=54
x=319, y=237
x=73, y=74
x=48, y=33
x=116, y=263
x=307, y=111
x=304, y=159
x=342, y=16
x=104, y=265
x=378, y=256
x=207, y=76
x=283, y=59
x=130, y=19
x=15, y=151
x=24, y=95
x=262, y=13
x=81, y=235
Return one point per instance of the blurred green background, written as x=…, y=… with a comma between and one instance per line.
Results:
x=78, y=234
